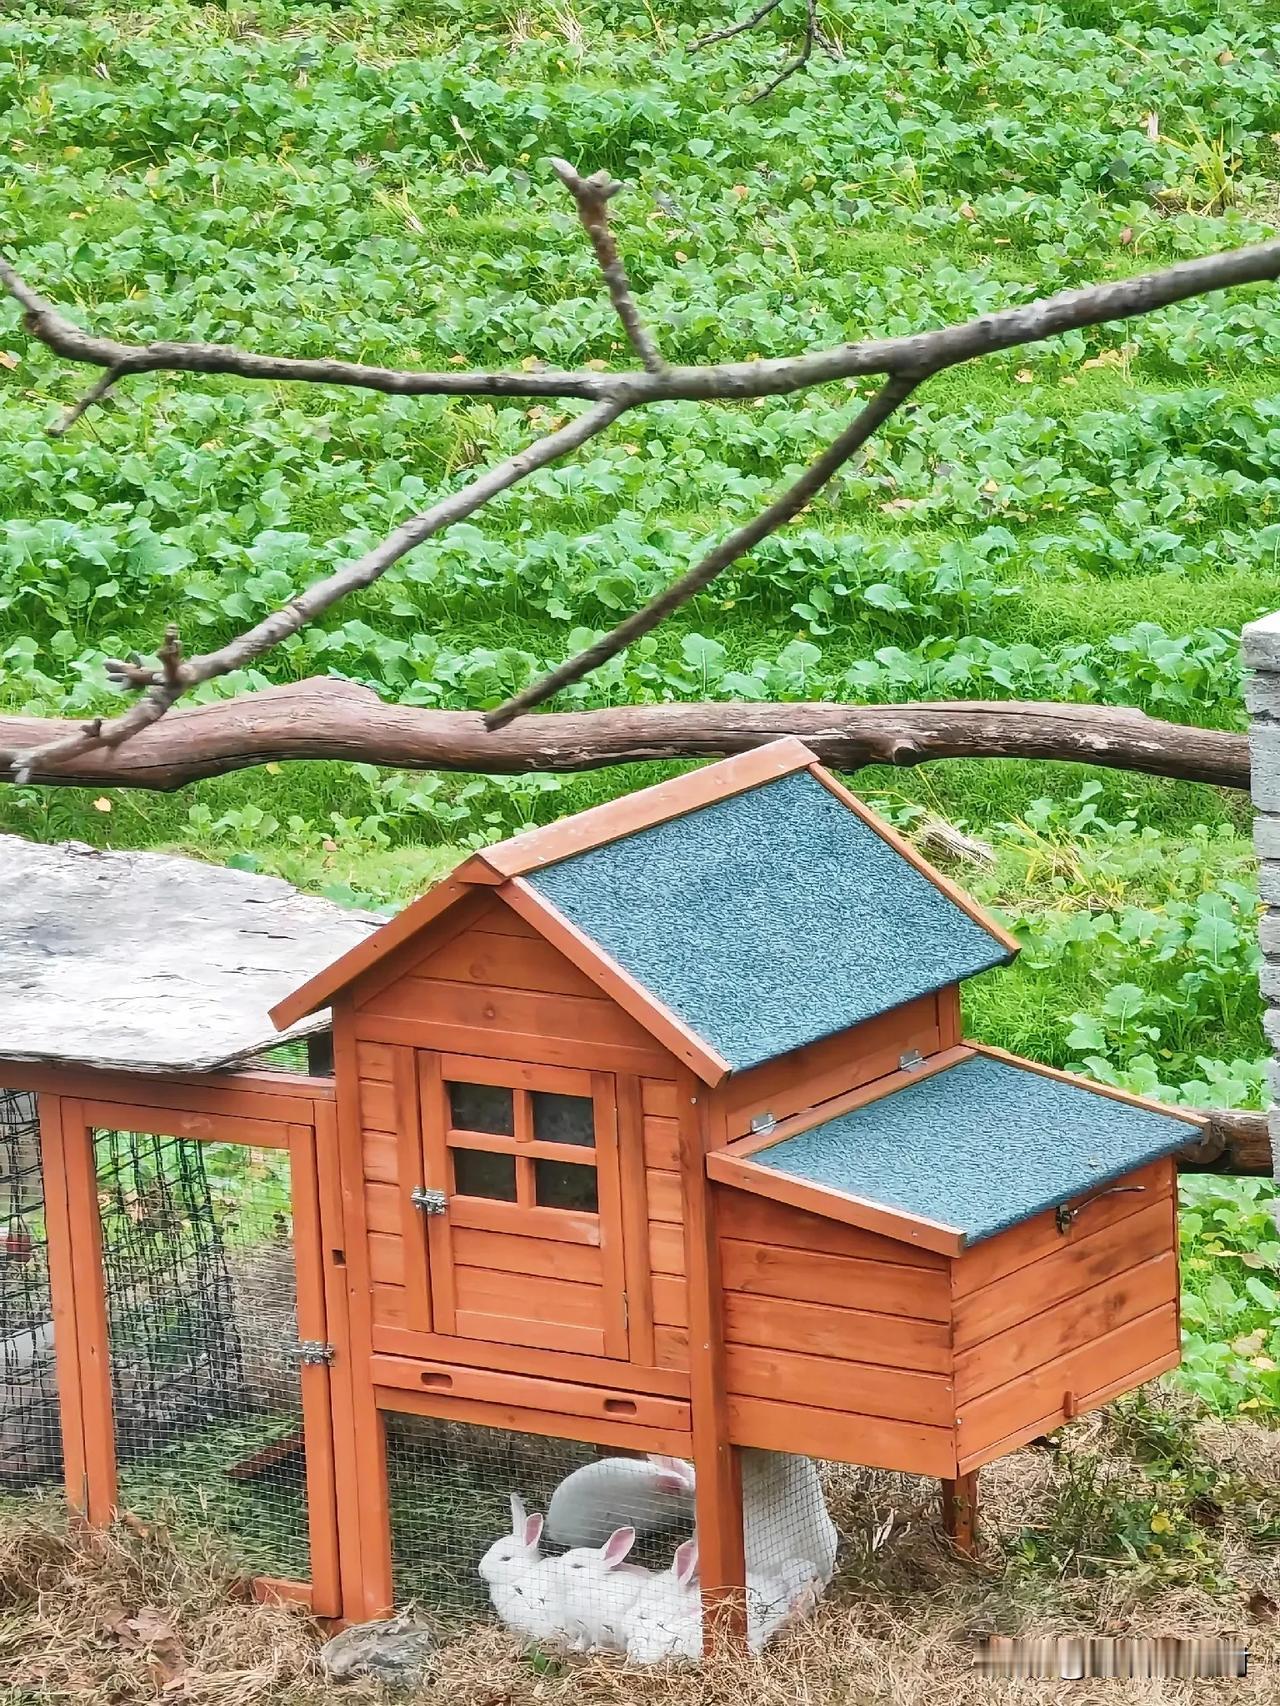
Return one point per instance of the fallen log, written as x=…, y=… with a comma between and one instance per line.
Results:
x=1236, y=1141
x=328, y=718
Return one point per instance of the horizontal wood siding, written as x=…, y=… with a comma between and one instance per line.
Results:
x=664, y=1200
x=1062, y=1321
x=833, y=1341
x=813, y=1074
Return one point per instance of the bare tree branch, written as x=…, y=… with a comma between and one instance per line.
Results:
x=799, y=62
x=329, y=718
x=592, y=196
x=905, y=361
x=739, y=542
x=738, y=29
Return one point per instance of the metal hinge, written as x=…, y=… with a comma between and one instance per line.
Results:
x=761, y=1123
x=429, y=1201
x=314, y=1353
x=911, y=1061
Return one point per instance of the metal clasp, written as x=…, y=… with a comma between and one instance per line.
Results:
x=314, y=1353
x=429, y=1201
x=911, y=1061
x=1065, y=1213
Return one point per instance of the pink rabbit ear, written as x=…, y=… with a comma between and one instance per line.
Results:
x=685, y=1562
x=533, y=1528
x=675, y=1475
x=617, y=1546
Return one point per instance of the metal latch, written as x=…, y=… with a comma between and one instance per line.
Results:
x=762, y=1123
x=429, y=1201
x=911, y=1061
x=314, y=1353
x=1066, y=1213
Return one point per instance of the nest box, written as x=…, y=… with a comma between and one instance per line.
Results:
x=663, y=1119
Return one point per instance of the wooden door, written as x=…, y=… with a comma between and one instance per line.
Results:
x=524, y=1219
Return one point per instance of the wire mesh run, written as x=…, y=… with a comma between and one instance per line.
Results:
x=197, y=1252
x=30, y=1433
x=572, y=1546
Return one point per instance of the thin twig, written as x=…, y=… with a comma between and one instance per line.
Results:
x=592, y=196
x=68, y=418
x=738, y=29
x=893, y=392
x=793, y=65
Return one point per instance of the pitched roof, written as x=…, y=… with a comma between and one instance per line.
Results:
x=753, y=905
x=979, y=1145
x=147, y=962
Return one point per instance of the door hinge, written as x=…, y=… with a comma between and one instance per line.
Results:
x=429, y=1201
x=314, y=1353
x=763, y=1123
x=911, y=1061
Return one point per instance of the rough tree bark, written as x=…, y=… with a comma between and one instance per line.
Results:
x=902, y=364
x=338, y=719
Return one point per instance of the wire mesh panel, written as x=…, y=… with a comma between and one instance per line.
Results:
x=30, y=1436
x=198, y=1264
x=538, y=1533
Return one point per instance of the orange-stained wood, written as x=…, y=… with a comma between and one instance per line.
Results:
x=381, y=1158
x=343, y=1373
x=671, y=1347
x=93, y=1341
x=997, y=1258
x=491, y=1040
x=573, y=1018
x=371, y=1457
x=665, y=1194
x=62, y=1294
x=646, y=807
x=654, y=1016
x=507, y=962
x=913, y=856
x=633, y=1188
x=722, y=1561
x=173, y=1122
x=812, y=1075
x=960, y=1512
x=619, y=1404
x=670, y=1301
x=827, y=1383
x=524, y=1359
x=508, y=1253
x=518, y=1075
x=854, y=1335
x=1062, y=1274
x=410, y=1176
x=869, y=1090
x=666, y=1247
x=1038, y=1396
x=950, y=1017
x=879, y=1442
x=658, y=1097
x=757, y=1219
x=922, y=1294
x=317, y=1401
x=661, y=1141
x=549, y=1423
x=276, y=1590
x=437, y=1174
x=835, y=1205
x=609, y=1194
x=1066, y=1326
x=250, y=1095
x=316, y=992
x=437, y=933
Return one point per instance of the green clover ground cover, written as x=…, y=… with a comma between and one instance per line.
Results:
x=1091, y=519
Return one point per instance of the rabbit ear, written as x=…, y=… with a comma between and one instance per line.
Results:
x=533, y=1528
x=685, y=1562
x=517, y=1515
x=675, y=1475
x=617, y=1546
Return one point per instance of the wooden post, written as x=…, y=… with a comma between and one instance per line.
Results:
x=62, y=1291
x=92, y=1332
x=1262, y=696
x=960, y=1513
x=721, y=1557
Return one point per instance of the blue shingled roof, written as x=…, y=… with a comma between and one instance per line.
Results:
x=770, y=919
x=979, y=1146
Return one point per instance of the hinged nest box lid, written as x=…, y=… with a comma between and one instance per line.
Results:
x=961, y=1149
x=754, y=903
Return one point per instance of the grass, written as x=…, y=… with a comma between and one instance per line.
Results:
x=1146, y=1518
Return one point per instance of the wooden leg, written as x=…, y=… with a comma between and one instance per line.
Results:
x=960, y=1513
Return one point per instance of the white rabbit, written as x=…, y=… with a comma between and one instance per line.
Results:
x=644, y=1493
x=779, y=1598
x=521, y=1589
x=665, y=1621
x=594, y=1589
x=785, y=1515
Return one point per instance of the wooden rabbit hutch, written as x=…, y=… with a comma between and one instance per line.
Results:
x=654, y=1132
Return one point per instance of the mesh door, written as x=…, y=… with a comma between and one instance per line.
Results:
x=198, y=1263
x=30, y=1437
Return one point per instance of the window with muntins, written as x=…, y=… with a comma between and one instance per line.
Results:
x=531, y=1147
